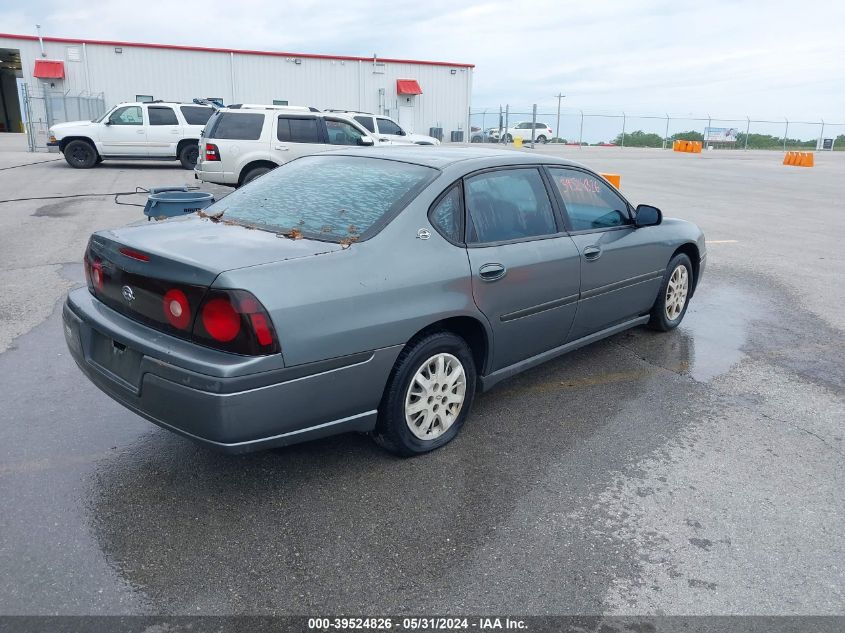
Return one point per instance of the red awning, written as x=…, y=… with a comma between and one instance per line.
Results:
x=48, y=69
x=408, y=87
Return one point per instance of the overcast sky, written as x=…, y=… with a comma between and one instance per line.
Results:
x=764, y=58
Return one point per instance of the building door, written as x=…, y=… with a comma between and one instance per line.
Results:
x=10, y=109
x=406, y=117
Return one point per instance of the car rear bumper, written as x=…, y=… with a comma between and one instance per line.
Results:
x=217, y=177
x=233, y=414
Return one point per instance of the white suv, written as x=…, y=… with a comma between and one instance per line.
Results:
x=542, y=133
x=240, y=144
x=147, y=131
x=386, y=130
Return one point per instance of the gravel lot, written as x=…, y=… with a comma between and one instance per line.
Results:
x=696, y=472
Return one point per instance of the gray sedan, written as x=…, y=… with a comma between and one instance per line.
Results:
x=373, y=291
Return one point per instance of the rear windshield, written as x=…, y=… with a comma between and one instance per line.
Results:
x=330, y=198
x=243, y=126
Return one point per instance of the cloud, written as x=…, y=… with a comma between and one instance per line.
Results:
x=768, y=58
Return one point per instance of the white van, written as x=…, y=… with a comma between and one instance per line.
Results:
x=239, y=144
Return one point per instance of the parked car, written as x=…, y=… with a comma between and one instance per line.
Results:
x=543, y=133
x=242, y=143
x=386, y=130
x=370, y=290
x=485, y=136
x=155, y=130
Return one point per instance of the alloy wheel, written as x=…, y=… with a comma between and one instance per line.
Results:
x=435, y=396
x=676, y=292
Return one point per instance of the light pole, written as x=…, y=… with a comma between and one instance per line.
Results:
x=557, y=129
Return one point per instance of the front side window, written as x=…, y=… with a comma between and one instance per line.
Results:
x=508, y=204
x=162, y=116
x=298, y=130
x=448, y=215
x=367, y=122
x=330, y=198
x=590, y=203
x=196, y=115
x=387, y=126
x=242, y=126
x=523, y=126
x=342, y=133
x=127, y=115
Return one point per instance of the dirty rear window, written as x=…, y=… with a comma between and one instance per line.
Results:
x=330, y=198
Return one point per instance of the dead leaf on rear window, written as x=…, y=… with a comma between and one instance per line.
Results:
x=293, y=234
x=347, y=242
x=326, y=229
x=352, y=229
x=214, y=217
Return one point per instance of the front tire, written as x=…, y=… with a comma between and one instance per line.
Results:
x=428, y=396
x=81, y=155
x=188, y=156
x=672, y=300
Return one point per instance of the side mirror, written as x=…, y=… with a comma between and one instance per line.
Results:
x=107, y=122
x=647, y=215
x=366, y=141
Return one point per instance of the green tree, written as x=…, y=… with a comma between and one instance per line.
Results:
x=639, y=139
x=692, y=135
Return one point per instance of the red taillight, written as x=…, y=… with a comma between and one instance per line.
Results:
x=211, y=152
x=235, y=321
x=221, y=320
x=94, y=274
x=177, y=309
x=133, y=254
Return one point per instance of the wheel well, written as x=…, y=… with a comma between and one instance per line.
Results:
x=257, y=163
x=469, y=329
x=64, y=142
x=185, y=141
x=691, y=251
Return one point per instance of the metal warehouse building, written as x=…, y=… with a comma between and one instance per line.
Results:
x=52, y=79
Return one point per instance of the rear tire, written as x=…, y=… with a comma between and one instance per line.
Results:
x=188, y=155
x=508, y=138
x=428, y=396
x=254, y=173
x=80, y=154
x=541, y=140
x=672, y=300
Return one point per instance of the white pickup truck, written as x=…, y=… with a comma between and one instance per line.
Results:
x=155, y=130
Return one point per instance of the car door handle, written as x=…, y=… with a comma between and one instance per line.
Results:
x=492, y=272
x=384, y=140
x=282, y=148
x=592, y=253
x=140, y=131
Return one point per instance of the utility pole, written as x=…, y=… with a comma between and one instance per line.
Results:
x=557, y=129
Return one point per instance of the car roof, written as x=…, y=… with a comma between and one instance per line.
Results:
x=441, y=157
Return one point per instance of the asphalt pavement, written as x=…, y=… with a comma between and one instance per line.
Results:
x=695, y=472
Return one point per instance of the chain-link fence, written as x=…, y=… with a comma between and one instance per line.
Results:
x=623, y=129
x=44, y=107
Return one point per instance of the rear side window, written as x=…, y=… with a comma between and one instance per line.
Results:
x=243, y=126
x=448, y=215
x=331, y=198
x=367, y=122
x=508, y=204
x=195, y=115
x=160, y=115
x=298, y=130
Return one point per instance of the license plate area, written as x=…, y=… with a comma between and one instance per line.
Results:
x=122, y=362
